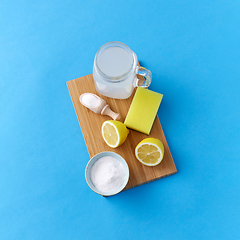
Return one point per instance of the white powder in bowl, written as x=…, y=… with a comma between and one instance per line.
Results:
x=107, y=174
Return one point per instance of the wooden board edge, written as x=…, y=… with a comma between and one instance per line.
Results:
x=167, y=175
x=75, y=108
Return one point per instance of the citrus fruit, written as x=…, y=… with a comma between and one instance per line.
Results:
x=150, y=151
x=114, y=133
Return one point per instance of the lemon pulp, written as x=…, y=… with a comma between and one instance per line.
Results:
x=114, y=133
x=150, y=151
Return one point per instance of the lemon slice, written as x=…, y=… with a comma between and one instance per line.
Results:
x=150, y=151
x=114, y=133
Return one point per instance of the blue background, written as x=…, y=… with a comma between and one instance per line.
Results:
x=193, y=50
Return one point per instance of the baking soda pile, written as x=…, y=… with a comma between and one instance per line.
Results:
x=90, y=100
x=108, y=174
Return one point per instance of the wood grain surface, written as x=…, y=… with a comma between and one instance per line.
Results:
x=91, y=123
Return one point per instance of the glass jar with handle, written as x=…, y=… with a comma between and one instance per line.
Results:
x=116, y=71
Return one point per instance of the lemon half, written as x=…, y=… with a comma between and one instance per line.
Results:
x=114, y=133
x=150, y=151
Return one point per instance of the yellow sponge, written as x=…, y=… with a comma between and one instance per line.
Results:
x=143, y=110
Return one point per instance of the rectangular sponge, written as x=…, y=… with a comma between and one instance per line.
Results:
x=143, y=110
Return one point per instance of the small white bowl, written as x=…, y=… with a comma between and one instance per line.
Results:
x=93, y=160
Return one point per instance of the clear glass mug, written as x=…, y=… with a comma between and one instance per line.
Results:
x=116, y=71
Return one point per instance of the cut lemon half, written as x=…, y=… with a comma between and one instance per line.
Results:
x=150, y=151
x=114, y=133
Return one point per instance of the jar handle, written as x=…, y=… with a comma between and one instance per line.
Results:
x=145, y=77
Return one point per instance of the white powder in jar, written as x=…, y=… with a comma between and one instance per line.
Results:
x=107, y=174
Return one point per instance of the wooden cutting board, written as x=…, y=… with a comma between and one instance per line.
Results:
x=91, y=123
